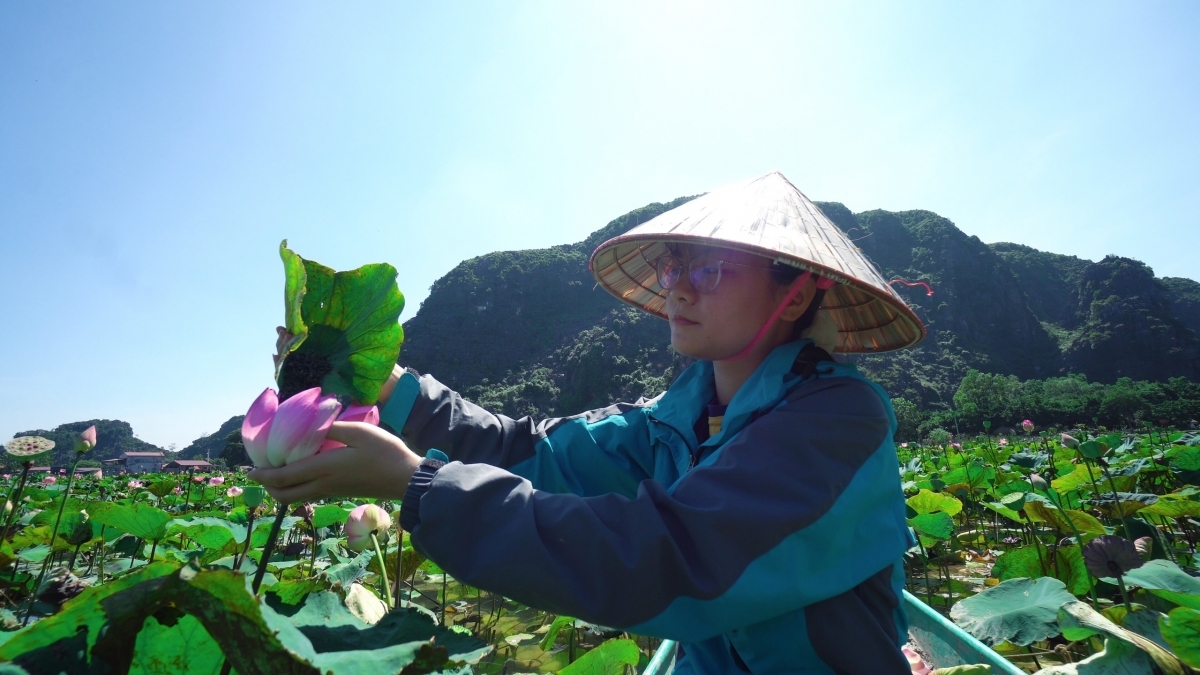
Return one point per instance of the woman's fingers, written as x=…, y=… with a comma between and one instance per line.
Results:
x=362, y=435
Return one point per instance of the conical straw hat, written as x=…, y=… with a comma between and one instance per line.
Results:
x=766, y=216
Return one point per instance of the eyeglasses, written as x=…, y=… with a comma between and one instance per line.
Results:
x=703, y=273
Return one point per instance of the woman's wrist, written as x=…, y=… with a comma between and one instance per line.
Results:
x=385, y=392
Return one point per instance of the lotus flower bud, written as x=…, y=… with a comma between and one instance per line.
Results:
x=86, y=440
x=49, y=480
x=276, y=434
x=1027, y=425
x=1144, y=546
x=915, y=662
x=8, y=507
x=1038, y=482
x=364, y=521
x=1070, y=442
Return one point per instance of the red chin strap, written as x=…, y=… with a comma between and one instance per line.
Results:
x=822, y=283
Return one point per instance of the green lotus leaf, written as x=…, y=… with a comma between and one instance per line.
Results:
x=1065, y=564
x=1181, y=630
x=141, y=520
x=1174, y=505
x=929, y=502
x=933, y=525
x=610, y=658
x=1079, y=621
x=1164, y=579
x=1020, y=611
x=352, y=324
x=328, y=514
x=181, y=647
x=1117, y=658
x=1083, y=476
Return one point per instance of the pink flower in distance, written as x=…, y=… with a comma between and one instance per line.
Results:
x=216, y=480
x=355, y=413
x=276, y=434
x=233, y=492
x=7, y=476
x=1003, y=442
x=1027, y=425
x=177, y=491
x=362, y=522
x=49, y=480
x=904, y=445
x=134, y=484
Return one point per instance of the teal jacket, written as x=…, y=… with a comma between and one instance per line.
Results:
x=774, y=546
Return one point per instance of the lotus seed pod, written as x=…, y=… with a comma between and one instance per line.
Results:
x=253, y=496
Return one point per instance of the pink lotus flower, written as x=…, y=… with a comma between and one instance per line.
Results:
x=49, y=480
x=7, y=476
x=364, y=521
x=177, y=491
x=86, y=439
x=216, y=480
x=1003, y=442
x=233, y=492
x=1027, y=426
x=197, y=479
x=904, y=445
x=956, y=446
x=355, y=413
x=277, y=434
x=134, y=484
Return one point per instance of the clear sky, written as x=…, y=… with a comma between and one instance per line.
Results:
x=153, y=155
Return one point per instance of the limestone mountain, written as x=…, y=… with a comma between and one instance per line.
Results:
x=112, y=438
x=528, y=332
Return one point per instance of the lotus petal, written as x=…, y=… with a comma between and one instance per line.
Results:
x=257, y=426
x=300, y=425
x=354, y=413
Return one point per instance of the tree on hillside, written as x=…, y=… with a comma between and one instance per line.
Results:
x=234, y=452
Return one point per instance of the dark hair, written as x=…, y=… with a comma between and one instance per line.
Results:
x=784, y=275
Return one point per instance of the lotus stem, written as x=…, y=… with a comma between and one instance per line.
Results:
x=1124, y=594
x=14, y=496
x=387, y=589
x=237, y=565
x=269, y=548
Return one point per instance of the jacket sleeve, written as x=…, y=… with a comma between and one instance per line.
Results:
x=596, y=452
x=802, y=505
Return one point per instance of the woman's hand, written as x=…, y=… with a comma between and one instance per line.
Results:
x=374, y=464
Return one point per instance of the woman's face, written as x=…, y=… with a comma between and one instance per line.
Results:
x=717, y=325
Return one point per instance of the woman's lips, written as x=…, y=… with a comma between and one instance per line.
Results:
x=680, y=321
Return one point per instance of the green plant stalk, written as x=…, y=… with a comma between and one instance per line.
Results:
x=312, y=563
x=53, y=535
x=269, y=548
x=153, y=548
x=1117, y=504
x=1124, y=594
x=249, y=535
x=14, y=496
x=387, y=589
x=1078, y=539
x=188, y=497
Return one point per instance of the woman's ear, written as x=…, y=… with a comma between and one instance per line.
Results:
x=799, y=304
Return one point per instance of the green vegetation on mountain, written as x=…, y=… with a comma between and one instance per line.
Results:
x=212, y=445
x=112, y=438
x=529, y=333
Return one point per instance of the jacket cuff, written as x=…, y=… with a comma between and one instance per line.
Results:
x=410, y=508
x=394, y=414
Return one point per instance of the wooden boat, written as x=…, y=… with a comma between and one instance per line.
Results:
x=942, y=643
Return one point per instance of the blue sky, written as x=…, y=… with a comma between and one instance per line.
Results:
x=153, y=155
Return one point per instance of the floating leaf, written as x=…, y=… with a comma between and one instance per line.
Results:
x=1020, y=611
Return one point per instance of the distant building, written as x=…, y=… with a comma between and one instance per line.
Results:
x=89, y=471
x=185, y=465
x=142, y=462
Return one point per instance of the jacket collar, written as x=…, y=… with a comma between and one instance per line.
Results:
x=682, y=403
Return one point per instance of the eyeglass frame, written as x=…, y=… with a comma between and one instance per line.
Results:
x=658, y=274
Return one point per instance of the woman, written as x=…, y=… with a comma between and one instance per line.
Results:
x=753, y=511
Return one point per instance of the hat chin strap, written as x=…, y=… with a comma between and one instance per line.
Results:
x=822, y=283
